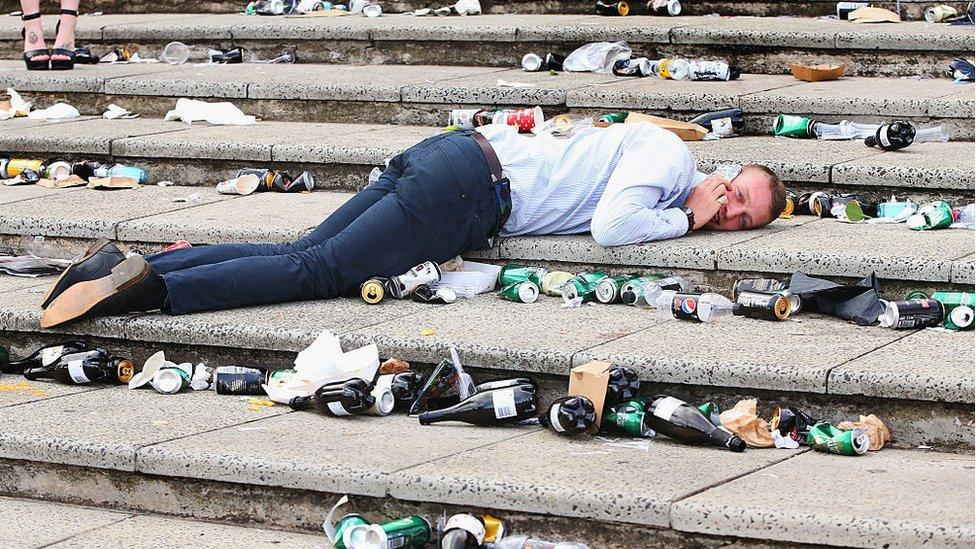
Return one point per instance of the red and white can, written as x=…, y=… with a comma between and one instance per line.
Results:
x=523, y=119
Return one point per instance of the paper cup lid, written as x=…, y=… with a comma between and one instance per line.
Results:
x=149, y=370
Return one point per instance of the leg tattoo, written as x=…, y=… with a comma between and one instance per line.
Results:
x=32, y=37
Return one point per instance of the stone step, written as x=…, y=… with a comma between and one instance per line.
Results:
x=911, y=10
x=36, y=524
x=276, y=468
x=758, y=44
x=341, y=155
x=425, y=95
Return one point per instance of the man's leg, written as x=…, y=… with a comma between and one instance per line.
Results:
x=187, y=258
x=444, y=205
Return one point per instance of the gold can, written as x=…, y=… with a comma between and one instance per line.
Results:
x=17, y=166
x=373, y=291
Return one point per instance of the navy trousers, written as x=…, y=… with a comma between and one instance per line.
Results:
x=433, y=202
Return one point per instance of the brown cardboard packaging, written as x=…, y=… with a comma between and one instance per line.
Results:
x=590, y=380
x=685, y=130
x=817, y=73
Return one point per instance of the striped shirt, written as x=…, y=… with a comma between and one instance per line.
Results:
x=624, y=184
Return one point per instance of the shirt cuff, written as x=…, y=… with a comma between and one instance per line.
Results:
x=677, y=219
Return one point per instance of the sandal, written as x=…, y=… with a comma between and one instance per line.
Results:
x=63, y=64
x=35, y=64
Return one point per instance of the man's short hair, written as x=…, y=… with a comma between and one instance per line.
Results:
x=777, y=191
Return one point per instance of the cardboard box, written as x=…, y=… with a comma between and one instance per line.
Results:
x=685, y=130
x=817, y=73
x=590, y=380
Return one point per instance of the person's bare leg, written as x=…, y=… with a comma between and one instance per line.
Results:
x=66, y=32
x=33, y=33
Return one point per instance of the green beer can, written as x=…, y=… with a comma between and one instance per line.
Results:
x=524, y=291
x=959, y=309
x=793, y=126
x=628, y=419
x=583, y=286
x=411, y=532
x=824, y=437
x=609, y=289
x=512, y=273
x=347, y=523
x=613, y=117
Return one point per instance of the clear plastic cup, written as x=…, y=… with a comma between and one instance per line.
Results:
x=176, y=53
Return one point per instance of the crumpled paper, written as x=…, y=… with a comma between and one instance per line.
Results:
x=218, y=114
x=877, y=431
x=744, y=422
x=114, y=111
x=16, y=106
x=58, y=111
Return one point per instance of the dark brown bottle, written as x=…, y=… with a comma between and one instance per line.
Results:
x=677, y=419
x=95, y=366
x=623, y=386
x=338, y=399
x=45, y=356
x=570, y=415
x=495, y=407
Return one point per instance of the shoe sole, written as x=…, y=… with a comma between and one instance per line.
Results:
x=81, y=298
x=101, y=243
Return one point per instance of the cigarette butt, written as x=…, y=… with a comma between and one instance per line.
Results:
x=722, y=199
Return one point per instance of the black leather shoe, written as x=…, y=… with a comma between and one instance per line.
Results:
x=131, y=286
x=97, y=262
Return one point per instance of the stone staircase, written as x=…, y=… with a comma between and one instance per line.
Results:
x=368, y=89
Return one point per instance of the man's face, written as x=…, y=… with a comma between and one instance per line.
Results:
x=749, y=200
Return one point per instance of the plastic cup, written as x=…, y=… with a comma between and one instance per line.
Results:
x=176, y=53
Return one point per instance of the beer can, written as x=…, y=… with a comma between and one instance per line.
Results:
x=844, y=9
x=521, y=292
x=401, y=286
x=553, y=282
x=57, y=170
x=936, y=215
x=632, y=291
x=372, y=10
x=170, y=381
x=608, y=290
x=664, y=7
x=582, y=286
x=238, y=380
x=824, y=437
x=904, y=315
x=513, y=273
x=464, y=118
x=243, y=185
x=411, y=532
x=940, y=13
x=345, y=524
x=894, y=209
x=758, y=285
x=960, y=318
x=373, y=290
x=640, y=66
x=16, y=166
x=612, y=8
x=819, y=204
x=3, y=167
x=613, y=118
x=532, y=62
x=762, y=306
x=790, y=205
x=963, y=302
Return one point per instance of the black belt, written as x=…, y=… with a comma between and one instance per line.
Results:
x=503, y=190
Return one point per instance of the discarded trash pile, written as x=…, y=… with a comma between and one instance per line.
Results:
x=57, y=173
x=863, y=208
x=366, y=8
x=600, y=397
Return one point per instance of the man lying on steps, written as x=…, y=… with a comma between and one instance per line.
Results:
x=625, y=184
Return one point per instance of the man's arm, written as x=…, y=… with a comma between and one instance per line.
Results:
x=627, y=213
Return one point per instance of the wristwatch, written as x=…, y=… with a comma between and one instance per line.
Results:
x=691, y=218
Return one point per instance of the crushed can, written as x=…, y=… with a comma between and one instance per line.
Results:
x=824, y=437
x=582, y=286
x=464, y=118
x=16, y=166
x=553, y=282
x=640, y=66
x=940, y=13
x=934, y=215
x=401, y=286
x=906, y=315
x=513, y=273
x=520, y=292
x=788, y=125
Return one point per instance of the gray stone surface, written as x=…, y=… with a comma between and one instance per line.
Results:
x=578, y=478
x=485, y=89
x=907, y=35
x=352, y=144
x=286, y=327
x=963, y=271
x=189, y=80
x=251, y=143
x=925, y=365
x=679, y=95
x=81, y=135
x=299, y=28
x=543, y=340
x=30, y=523
x=83, y=78
x=92, y=213
x=106, y=431
x=354, y=455
x=15, y=390
x=590, y=28
x=260, y=217
x=698, y=354
x=921, y=166
x=751, y=31
x=89, y=28
x=496, y=28
x=148, y=532
x=697, y=251
x=882, y=97
x=17, y=193
x=891, y=498
x=959, y=104
x=825, y=247
x=166, y=27
x=792, y=159
x=346, y=82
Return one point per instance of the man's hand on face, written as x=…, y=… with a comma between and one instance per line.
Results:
x=707, y=199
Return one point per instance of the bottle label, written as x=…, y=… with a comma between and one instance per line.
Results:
x=554, y=420
x=665, y=407
x=503, y=401
x=883, y=136
x=51, y=354
x=685, y=307
x=337, y=409
x=76, y=369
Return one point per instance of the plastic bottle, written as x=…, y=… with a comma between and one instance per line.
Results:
x=967, y=216
x=121, y=170
x=844, y=130
x=706, y=307
x=934, y=134
x=525, y=542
